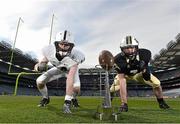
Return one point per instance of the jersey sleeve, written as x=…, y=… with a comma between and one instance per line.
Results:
x=145, y=55
x=78, y=56
x=119, y=63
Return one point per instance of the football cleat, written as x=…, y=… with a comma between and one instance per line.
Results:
x=67, y=108
x=44, y=102
x=123, y=108
x=75, y=103
x=163, y=105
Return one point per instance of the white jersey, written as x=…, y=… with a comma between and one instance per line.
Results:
x=50, y=53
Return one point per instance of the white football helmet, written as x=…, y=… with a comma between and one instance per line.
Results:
x=65, y=36
x=129, y=42
x=66, y=39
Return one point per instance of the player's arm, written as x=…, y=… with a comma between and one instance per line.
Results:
x=67, y=62
x=70, y=79
x=146, y=72
x=123, y=87
x=122, y=79
x=144, y=68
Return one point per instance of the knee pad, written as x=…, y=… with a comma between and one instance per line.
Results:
x=41, y=81
x=40, y=85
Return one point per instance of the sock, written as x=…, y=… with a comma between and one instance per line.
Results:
x=160, y=100
x=112, y=95
x=74, y=95
x=44, y=92
x=68, y=97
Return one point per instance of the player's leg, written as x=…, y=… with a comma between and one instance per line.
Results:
x=41, y=85
x=76, y=89
x=75, y=101
x=114, y=87
x=122, y=88
x=69, y=88
x=157, y=89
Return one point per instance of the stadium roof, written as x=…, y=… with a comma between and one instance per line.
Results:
x=168, y=58
x=19, y=58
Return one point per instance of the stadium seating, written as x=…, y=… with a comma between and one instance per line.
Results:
x=90, y=78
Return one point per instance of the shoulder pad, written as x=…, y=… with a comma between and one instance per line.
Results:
x=145, y=54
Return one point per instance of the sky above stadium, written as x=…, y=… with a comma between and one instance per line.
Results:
x=96, y=24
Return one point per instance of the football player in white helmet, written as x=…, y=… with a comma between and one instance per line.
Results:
x=132, y=64
x=65, y=60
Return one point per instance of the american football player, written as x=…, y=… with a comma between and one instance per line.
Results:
x=65, y=60
x=132, y=64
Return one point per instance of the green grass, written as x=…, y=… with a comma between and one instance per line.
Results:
x=23, y=109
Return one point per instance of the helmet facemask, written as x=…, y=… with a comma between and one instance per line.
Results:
x=65, y=48
x=130, y=52
x=64, y=42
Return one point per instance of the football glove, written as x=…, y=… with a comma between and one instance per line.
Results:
x=146, y=75
x=62, y=68
x=41, y=67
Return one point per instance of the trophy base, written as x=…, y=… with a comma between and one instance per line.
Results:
x=107, y=113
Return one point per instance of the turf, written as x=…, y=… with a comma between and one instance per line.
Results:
x=23, y=109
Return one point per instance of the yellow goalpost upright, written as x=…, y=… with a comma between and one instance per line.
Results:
x=12, y=55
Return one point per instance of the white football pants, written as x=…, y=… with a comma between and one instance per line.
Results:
x=55, y=73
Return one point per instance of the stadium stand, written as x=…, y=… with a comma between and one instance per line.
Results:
x=168, y=57
x=20, y=59
x=165, y=66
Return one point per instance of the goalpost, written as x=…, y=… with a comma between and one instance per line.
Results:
x=12, y=55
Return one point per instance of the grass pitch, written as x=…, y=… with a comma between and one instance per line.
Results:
x=23, y=109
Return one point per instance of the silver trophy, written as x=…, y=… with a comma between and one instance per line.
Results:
x=105, y=111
